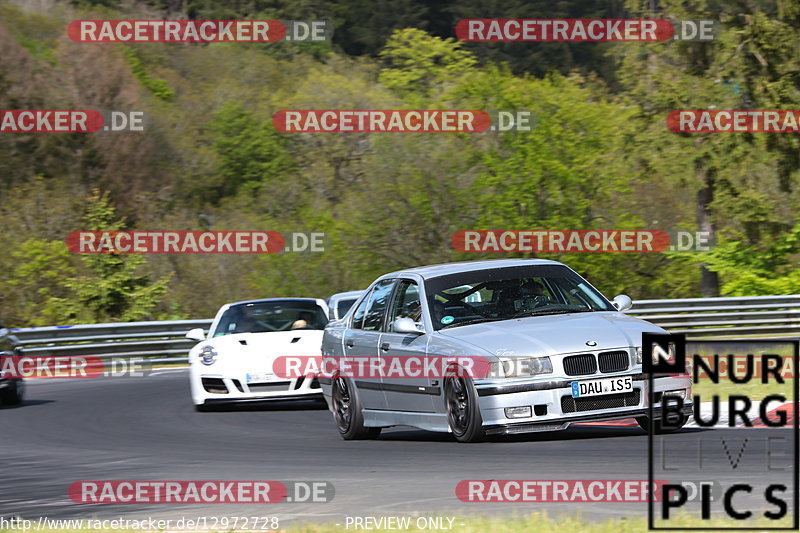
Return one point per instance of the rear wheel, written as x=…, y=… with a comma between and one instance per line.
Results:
x=463, y=412
x=14, y=394
x=347, y=412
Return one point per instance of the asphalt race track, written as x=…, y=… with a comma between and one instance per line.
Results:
x=145, y=428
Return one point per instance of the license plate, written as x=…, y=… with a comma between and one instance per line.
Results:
x=259, y=377
x=596, y=387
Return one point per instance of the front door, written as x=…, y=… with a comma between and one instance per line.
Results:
x=404, y=355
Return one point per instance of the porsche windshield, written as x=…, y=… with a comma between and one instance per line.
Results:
x=265, y=317
x=507, y=293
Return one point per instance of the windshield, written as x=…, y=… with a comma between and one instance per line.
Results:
x=264, y=317
x=507, y=293
x=344, y=306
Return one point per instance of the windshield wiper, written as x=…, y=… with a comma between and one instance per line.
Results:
x=473, y=321
x=551, y=312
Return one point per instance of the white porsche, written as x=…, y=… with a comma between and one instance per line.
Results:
x=235, y=362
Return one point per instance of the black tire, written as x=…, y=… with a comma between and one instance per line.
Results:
x=347, y=412
x=644, y=423
x=13, y=395
x=463, y=411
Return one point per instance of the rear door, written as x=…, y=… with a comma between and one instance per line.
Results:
x=404, y=355
x=361, y=342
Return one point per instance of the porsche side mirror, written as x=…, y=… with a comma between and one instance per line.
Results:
x=196, y=334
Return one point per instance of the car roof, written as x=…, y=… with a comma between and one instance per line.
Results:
x=348, y=294
x=445, y=269
x=262, y=300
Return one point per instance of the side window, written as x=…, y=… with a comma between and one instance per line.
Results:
x=406, y=303
x=377, y=305
x=358, y=315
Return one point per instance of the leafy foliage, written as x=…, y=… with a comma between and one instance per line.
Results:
x=599, y=155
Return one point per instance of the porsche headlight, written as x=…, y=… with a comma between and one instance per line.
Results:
x=524, y=367
x=208, y=355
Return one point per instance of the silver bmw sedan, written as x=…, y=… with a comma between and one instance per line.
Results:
x=486, y=348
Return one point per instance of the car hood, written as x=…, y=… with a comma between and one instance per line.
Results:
x=554, y=334
x=257, y=351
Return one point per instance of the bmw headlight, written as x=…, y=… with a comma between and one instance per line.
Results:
x=638, y=350
x=524, y=367
x=208, y=355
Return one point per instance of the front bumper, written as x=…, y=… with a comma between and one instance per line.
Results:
x=531, y=427
x=212, y=389
x=553, y=408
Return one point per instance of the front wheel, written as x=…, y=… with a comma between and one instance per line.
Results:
x=463, y=411
x=347, y=412
x=14, y=394
x=644, y=423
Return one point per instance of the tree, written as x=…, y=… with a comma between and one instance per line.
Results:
x=251, y=152
x=112, y=288
x=758, y=270
x=733, y=182
x=418, y=64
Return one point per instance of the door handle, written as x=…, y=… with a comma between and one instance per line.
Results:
x=385, y=346
x=350, y=344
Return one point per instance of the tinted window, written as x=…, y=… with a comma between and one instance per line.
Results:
x=265, y=317
x=358, y=316
x=406, y=303
x=377, y=305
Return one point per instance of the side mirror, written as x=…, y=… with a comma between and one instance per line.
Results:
x=196, y=334
x=405, y=325
x=622, y=302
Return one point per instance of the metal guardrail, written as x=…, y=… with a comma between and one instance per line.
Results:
x=164, y=342
x=724, y=317
x=157, y=342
